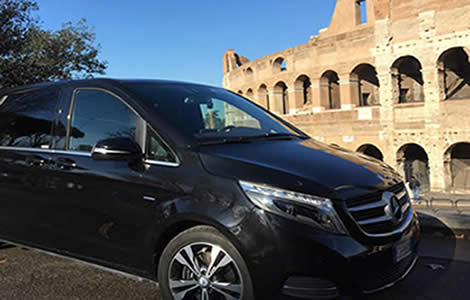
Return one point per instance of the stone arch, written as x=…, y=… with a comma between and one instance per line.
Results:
x=371, y=150
x=263, y=96
x=408, y=80
x=366, y=84
x=279, y=65
x=249, y=71
x=454, y=73
x=329, y=90
x=457, y=167
x=240, y=92
x=412, y=160
x=303, y=86
x=281, y=97
x=250, y=94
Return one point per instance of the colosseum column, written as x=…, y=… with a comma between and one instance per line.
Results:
x=317, y=103
x=437, y=174
x=295, y=99
x=275, y=105
x=432, y=96
x=386, y=134
x=349, y=91
x=384, y=57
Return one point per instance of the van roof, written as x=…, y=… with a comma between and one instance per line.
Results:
x=95, y=81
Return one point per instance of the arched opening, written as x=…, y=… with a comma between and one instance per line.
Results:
x=240, y=92
x=263, y=96
x=361, y=12
x=330, y=89
x=371, y=150
x=304, y=84
x=457, y=160
x=250, y=94
x=365, y=76
x=406, y=72
x=280, y=89
x=279, y=65
x=454, y=73
x=412, y=160
x=249, y=72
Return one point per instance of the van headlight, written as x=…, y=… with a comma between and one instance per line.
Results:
x=310, y=209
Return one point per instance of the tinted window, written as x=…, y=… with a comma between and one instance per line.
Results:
x=207, y=113
x=98, y=115
x=26, y=118
x=157, y=150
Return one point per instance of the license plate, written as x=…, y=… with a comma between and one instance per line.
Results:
x=402, y=250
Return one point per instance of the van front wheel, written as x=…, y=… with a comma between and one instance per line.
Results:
x=200, y=263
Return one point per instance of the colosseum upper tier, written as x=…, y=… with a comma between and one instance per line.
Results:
x=387, y=78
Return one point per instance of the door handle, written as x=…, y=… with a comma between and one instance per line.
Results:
x=35, y=161
x=65, y=163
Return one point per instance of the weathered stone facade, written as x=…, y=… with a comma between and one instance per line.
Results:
x=396, y=86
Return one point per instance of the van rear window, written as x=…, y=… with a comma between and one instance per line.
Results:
x=26, y=119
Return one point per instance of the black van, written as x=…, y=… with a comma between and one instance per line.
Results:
x=199, y=189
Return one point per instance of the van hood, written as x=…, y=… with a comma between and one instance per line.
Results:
x=306, y=166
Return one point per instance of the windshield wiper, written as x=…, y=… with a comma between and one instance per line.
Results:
x=238, y=140
x=248, y=139
x=277, y=135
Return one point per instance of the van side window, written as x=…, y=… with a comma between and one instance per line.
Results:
x=26, y=118
x=98, y=115
x=157, y=150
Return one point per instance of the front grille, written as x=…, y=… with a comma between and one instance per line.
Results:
x=377, y=214
x=371, y=197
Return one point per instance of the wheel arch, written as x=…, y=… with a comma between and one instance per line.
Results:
x=184, y=223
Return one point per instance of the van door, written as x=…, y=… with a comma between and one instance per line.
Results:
x=26, y=124
x=104, y=208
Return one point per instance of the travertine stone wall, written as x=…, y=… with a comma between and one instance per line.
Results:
x=422, y=29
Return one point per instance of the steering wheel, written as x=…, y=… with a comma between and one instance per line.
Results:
x=227, y=128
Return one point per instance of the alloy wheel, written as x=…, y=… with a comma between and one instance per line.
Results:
x=204, y=271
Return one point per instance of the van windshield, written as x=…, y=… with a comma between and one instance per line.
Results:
x=210, y=114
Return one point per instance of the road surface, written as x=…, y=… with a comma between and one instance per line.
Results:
x=28, y=275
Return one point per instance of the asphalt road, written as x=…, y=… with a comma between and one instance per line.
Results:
x=26, y=274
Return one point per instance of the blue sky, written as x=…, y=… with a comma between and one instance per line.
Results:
x=186, y=39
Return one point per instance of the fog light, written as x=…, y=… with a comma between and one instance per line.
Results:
x=310, y=288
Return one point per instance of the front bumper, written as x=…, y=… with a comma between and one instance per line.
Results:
x=314, y=264
x=400, y=275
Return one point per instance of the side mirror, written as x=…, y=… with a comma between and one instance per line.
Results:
x=117, y=149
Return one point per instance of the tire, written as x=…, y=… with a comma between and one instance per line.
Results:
x=216, y=271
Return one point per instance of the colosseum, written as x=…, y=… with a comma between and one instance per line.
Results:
x=390, y=79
